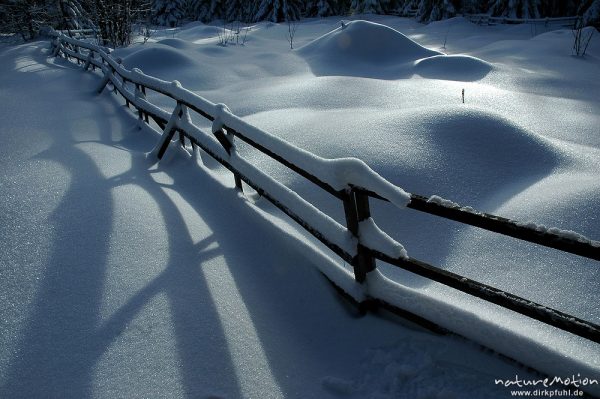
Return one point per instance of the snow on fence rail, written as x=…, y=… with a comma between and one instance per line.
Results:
x=360, y=242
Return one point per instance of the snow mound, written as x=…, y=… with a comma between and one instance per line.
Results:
x=470, y=155
x=157, y=57
x=200, y=31
x=175, y=43
x=357, y=44
x=467, y=154
x=368, y=41
x=369, y=49
x=453, y=67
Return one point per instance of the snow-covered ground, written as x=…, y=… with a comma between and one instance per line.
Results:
x=123, y=278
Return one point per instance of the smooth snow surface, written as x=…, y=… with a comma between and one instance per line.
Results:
x=124, y=278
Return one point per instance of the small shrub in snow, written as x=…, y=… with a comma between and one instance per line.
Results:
x=581, y=37
x=292, y=26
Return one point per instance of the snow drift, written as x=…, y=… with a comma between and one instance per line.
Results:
x=197, y=30
x=175, y=43
x=159, y=56
x=453, y=67
x=172, y=59
x=364, y=41
x=368, y=49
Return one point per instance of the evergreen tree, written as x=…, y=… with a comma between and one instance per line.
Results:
x=435, y=10
x=368, y=6
x=322, y=8
x=207, y=10
x=558, y=8
x=238, y=10
x=591, y=13
x=408, y=6
x=73, y=16
x=474, y=6
x=168, y=12
x=279, y=10
x=515, y=8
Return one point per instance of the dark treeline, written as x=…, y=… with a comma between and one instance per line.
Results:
x=172, y=12
x=112, y=19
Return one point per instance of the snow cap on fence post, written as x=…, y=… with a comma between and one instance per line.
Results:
x=185, y=114
x=220, y=110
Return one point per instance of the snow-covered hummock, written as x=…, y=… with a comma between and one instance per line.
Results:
x=357, y=44
x=363, y=48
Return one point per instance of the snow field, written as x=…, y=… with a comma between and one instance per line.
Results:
x=494, y=153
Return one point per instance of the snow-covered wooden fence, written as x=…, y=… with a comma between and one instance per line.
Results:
x=485, y=19
x=360, y=242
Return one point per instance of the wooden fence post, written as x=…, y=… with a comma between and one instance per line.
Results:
x=139, y=94
x=145, y=114
x=169, y=131
x=357, y=209
x=88, y=61
x=227, y=143
x=366, y=262
x=105, y=79
x=78, y=52
x=57, y=48
x=124, y=88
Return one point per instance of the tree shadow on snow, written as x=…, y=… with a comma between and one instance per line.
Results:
x=65, y=336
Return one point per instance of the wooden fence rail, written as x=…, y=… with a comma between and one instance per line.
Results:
x=354, y=195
